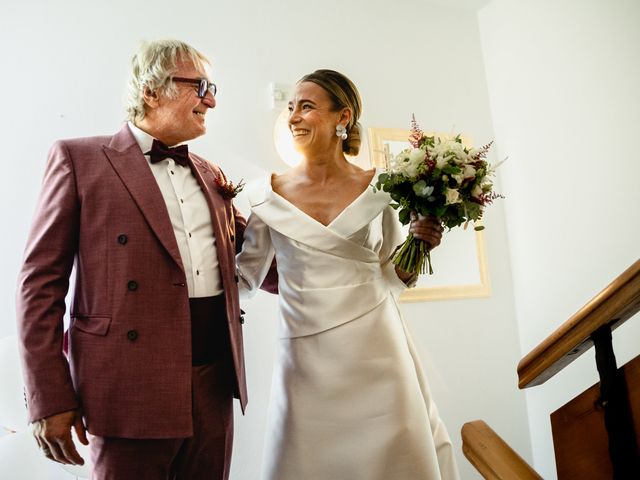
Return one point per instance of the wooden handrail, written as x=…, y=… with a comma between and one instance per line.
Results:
x=619, y=301
x=492, y=457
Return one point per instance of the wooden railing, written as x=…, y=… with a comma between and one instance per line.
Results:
x=591, y=325
x=492, y=457
x=619, y=301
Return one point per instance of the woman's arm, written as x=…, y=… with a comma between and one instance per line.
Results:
x=256, y=259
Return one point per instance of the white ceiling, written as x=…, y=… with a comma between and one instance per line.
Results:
x=462, y=4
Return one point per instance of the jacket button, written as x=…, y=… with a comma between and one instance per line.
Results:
x=132, y=285
x=241, y=319
x=132, y=335
x=122, y=239
x=233, y=237
x=235, y=277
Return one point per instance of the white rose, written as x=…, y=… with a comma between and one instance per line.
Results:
x=469, y=171
x=476, y=192
x=452, y=196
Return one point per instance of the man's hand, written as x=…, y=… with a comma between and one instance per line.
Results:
x=53, y=435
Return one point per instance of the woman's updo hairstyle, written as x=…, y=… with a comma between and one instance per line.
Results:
x=344, y=94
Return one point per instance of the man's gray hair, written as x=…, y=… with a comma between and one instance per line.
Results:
x=152, y=66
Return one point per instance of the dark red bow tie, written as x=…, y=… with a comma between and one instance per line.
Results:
x=159, y=151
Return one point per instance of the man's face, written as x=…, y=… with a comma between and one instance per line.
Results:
x=181, y=118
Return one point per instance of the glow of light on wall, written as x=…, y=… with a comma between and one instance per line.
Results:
x=283, y=140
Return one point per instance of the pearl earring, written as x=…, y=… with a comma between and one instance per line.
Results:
x=341, y=132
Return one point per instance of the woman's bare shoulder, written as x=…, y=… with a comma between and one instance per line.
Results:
x=365, y=176
x=283, y=181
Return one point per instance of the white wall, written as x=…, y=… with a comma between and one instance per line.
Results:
x=563, y=80
x=65, y=65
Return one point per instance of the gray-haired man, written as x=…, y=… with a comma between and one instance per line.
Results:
x=155, y=350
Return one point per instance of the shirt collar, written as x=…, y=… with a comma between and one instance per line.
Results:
x=143, y=138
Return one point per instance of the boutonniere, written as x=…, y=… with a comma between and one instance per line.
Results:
x=227, y=189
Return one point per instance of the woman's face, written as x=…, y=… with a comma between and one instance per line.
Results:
x=311, y=119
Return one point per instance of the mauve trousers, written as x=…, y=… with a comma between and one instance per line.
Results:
x=205, y=456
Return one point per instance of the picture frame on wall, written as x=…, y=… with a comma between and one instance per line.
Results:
x=459, y=262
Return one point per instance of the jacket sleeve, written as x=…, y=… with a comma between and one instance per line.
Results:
x=240, y=226
x=42, y=286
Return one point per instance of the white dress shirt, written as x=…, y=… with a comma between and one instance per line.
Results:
x=190, y=219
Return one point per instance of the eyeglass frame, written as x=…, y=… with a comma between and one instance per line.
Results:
x=203, y=85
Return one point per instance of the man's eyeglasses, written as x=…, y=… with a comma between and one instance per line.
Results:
x=203, y=85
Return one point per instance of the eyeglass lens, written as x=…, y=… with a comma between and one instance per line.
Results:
x=206, y=85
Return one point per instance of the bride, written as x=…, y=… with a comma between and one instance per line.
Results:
x=349, y=400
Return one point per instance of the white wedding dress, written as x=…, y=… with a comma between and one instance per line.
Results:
x=349, y=400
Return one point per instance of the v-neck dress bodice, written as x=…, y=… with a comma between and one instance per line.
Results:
x=349, y=400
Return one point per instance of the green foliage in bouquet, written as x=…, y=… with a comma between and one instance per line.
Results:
x=437, y=177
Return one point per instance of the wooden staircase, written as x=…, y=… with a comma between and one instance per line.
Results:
x=597, y=434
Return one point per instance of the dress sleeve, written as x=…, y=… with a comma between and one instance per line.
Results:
x=392, y=237
x=255, y=260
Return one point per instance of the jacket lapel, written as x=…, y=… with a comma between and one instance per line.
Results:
x=130, y=165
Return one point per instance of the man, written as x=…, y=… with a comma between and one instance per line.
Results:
x=155, y=350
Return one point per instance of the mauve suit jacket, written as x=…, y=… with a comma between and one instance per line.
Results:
x=129, y=358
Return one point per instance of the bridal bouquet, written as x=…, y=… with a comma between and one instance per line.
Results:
x=437, y=177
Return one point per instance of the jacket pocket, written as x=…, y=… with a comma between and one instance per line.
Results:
x=93, y=324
